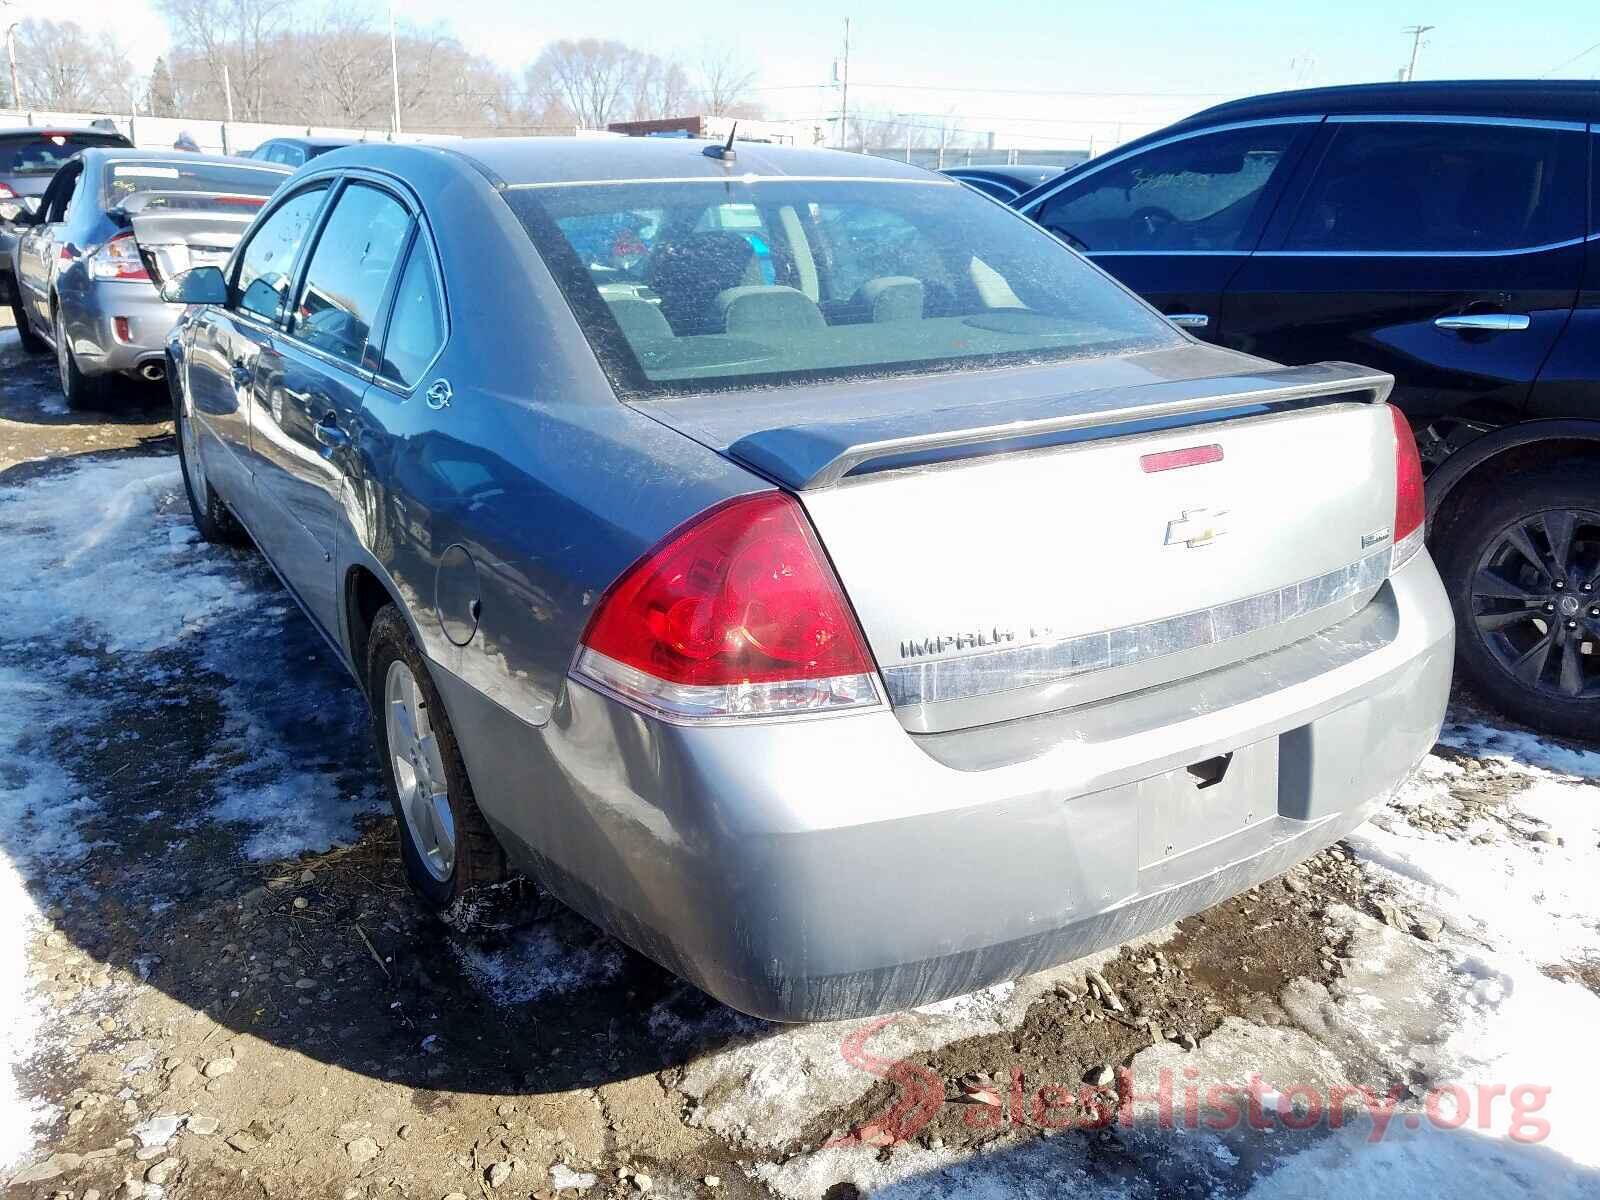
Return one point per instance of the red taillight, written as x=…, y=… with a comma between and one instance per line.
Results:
x=1410, y=508
x=737, y=613
x=119, y=259
x=6, y=193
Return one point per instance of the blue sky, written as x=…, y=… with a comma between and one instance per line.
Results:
x=1142, y=64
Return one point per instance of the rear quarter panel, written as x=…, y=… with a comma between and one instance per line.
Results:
x=536, y=470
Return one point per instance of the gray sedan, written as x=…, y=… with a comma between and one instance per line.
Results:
x=112, y=225
x=809, y=570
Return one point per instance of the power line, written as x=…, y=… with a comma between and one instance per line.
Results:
x=1561, y=66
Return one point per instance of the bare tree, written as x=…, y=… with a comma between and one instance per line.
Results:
x=232, y=42
x=62, y=67
x=590, y=78
x=726, y=83
x=596, y=82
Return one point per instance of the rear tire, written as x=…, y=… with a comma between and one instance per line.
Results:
x=445, y=843
x=211, y=516
x=82, y=392
x=1522, y=566
x=31, y=341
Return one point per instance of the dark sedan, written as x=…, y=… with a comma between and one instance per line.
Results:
x=297, y=151
x=1446, y=233
x=1004, y=181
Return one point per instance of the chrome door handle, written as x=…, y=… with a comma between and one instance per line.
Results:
x=1189, y=320
x=1486, y=322
x=328, y=433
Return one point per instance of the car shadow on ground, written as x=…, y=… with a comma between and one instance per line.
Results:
x=202, y=760
x=30, y=393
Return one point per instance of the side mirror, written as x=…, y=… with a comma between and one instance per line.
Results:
x=201, y=285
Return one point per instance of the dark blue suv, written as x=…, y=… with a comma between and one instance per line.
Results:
x=1448, y=233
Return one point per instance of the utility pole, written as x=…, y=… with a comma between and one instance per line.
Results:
x=1416, y=32
x=394, y=69
x=11, y=55
x=227, y=92
x=844, y=93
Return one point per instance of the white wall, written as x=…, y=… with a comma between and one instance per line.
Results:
x=213, y=137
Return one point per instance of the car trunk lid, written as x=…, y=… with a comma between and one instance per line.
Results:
x=192, y=230
x=1051, y=548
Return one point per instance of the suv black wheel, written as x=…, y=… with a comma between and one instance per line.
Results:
x=1523, y=571
x=31, y=341
x=447, y=846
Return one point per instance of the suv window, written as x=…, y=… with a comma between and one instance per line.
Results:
x=349, y=273
x=1200, y=193
x=1443, y=187
x=262, y=282
x=416, y=331
x=43, y=153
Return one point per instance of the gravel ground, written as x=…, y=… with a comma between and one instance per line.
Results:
x=213, y=982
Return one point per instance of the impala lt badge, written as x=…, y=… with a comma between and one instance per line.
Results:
x=1197, y=527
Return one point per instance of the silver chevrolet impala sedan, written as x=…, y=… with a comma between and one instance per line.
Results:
x=801, y=565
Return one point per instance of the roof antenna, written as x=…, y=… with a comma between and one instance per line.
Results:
x=724, y=153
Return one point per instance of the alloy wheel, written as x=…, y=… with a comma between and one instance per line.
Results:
x=419, y=774
x=1536, y=601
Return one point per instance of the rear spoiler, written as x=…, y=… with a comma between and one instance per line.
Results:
x=207, y=201
x=809, y=457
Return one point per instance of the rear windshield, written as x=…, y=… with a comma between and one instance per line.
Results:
x=701, y=285
x=174, y=183
x=42, y=153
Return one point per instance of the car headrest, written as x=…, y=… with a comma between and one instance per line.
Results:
x=639, y=320
x=892, y=298
x=764, y=309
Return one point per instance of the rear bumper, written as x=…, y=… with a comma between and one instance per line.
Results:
x=841, y=866
x=91, y=311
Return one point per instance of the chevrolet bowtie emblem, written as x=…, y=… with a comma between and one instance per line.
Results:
x=1197, y=527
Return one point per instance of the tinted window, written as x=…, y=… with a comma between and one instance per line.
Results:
x=173, y=184
x=262, y=283
x=416, y=331
x=1411, y=186
x=349, y=272
x=694, y=285
x=1200, y=193
x=42, y=154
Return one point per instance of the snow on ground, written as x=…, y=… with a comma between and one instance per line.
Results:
x=102, y=573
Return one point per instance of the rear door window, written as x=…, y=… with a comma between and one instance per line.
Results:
x=349, y=272
x=417, y=329
x=1443, y=187
x=1201, y=193
x=266, y=265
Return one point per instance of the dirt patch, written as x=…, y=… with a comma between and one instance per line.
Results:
x=1056, y=1068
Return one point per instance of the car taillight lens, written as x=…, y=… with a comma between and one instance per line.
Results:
x=1410, y=509
x=118, y=259
x=737, y=614
x=6, y=193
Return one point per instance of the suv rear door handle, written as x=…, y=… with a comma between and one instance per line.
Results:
x=1189, y=320
x=1486, y=322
